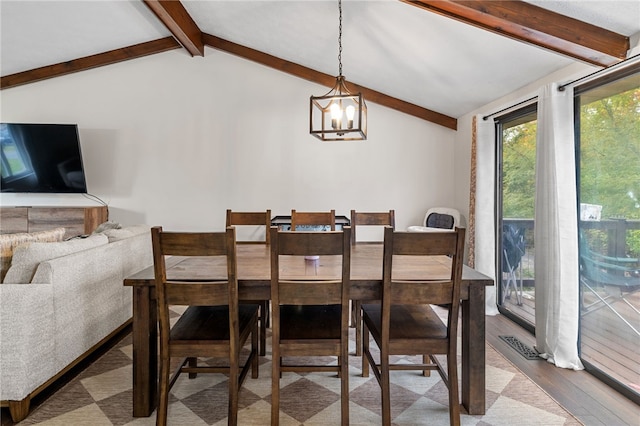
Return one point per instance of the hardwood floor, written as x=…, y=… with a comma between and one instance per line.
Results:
x=582, y=394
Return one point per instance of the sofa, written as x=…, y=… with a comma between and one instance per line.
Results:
x=61, y=300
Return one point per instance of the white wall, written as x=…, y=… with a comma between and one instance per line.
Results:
x=173, y=140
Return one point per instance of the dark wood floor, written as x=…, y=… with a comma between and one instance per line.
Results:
x=607, y=342
x=586, y=397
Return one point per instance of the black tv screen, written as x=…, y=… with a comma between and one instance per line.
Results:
x=43, y=158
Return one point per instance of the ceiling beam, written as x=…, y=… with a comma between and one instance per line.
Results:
x=327, y=80
x=534, y=25
x=88, y=62
x=176, y=18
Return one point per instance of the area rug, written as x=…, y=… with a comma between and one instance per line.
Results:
x=102, y=395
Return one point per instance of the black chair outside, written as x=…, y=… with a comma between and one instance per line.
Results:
x=513, y=249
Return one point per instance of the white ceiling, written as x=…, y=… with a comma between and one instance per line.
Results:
x=388, y=46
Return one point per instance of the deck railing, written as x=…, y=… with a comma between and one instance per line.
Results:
x=616, y=240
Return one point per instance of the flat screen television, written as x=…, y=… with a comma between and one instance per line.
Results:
x=43, y=158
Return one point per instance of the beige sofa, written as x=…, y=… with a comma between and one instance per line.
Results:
x=59, y=301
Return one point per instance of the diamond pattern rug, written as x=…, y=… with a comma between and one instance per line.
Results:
x=102, y=395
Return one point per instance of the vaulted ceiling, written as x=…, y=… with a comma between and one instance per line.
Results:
x=436, y=60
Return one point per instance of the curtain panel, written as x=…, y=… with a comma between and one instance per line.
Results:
x=556, y=230
x=484, y=212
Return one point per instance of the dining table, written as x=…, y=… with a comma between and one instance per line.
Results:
x=254, y=277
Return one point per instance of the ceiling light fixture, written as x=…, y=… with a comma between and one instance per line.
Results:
x=338, y=115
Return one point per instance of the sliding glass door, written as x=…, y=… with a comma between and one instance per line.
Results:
x=608, y=132
x=516, y=193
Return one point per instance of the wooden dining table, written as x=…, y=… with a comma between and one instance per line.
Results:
x=254, y=284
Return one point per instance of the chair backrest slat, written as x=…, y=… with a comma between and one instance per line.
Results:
x=416, y=292
x=371, y=219
x=251, y=219
x=195, y=291
x=310, y=243
x=420, y=289
x=313, y=292
x=198, y=293
x=313, y=218
x=310, y=292
x=192, y=244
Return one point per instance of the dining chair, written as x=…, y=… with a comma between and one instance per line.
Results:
x=310, y=317
x=405, y=323
x=313, y=218
x=380, y=219
x=257, y=220
x=213, y=324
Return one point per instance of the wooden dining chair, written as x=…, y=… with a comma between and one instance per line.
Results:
x=371, y=219
x=405, y=323
x=248, y=220
x=310, y=316
x=313, y=218
x=380, y=219
x=213, y=325
x=255, y=219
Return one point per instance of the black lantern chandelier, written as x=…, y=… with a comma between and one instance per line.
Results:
x=338, y=115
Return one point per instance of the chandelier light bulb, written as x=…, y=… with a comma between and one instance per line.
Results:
x=351, y=112
x=336, y=116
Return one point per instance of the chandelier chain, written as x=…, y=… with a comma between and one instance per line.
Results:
x=340, y=39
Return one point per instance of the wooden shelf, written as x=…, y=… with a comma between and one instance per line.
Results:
x=77, y=220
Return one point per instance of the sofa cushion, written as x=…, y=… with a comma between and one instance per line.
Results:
x=127, y=232
x=107, y=225
x=27, y=257
x=8, y=243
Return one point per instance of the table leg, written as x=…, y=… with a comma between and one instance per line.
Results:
x=473, y=351
x=145, y=352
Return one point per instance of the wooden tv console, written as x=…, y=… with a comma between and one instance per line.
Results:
x=77, y=220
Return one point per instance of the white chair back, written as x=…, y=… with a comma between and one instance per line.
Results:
x=455, y=214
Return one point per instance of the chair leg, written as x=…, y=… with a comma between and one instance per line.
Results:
x=454, y=399
x=426, y=360
x=163, y=393
x=254, y=352
x=264, y=318
x=385, y=388
x=365, y=350
x=275, y=386
x=193, y=362
x=358, y=325
x=344, y=382
x=234, y=386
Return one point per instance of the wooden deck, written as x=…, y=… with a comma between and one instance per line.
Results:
x=606, y=341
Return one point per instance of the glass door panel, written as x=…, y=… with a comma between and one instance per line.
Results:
x=609, y=229
x=517, y=164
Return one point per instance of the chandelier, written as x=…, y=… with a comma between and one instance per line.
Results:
x=338, y=115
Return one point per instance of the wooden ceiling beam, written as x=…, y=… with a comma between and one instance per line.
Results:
x=327, y=80
x=88, y=62
x=534, y=25
x=176, y=18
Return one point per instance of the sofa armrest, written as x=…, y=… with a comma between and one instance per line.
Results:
x=26, y=338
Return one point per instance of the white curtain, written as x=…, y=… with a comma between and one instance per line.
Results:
x=485, y=220
x=556, y=230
